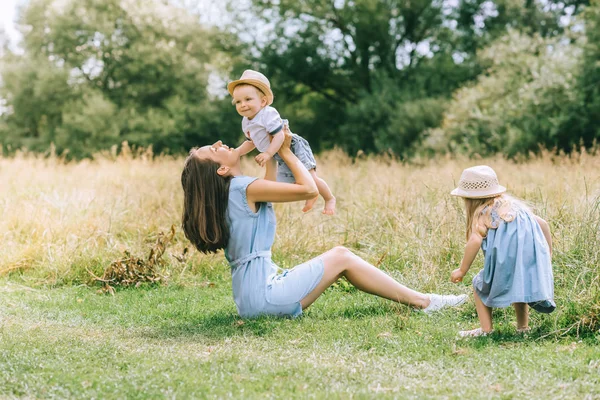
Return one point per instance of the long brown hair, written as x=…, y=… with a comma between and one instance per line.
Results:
x=205, y=199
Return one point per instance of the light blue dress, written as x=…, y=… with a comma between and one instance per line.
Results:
x=258, y=287
x=517, y=266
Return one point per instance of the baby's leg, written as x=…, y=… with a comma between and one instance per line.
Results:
x=325, y=192
x=522, y=311
x=484, y=313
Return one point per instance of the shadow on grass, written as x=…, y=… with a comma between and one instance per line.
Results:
x=224, y=324
x=510, y=338
x=358, y=312
x=216, y=325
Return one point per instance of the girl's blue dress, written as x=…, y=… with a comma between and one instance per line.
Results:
x=517, y=266
x=258, y=288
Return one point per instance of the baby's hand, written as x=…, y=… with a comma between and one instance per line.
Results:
x=262, y=158
x=457, y=276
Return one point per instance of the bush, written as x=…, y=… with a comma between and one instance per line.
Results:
x=386, y=121
x=586, y=116
x=408, y=124
x=523, y=100
x=94, y=73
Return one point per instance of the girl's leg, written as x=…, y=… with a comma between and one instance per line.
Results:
x=522, y=311
x=484, y=313
x=325, y=192
x=340, y=262
x=485, y=319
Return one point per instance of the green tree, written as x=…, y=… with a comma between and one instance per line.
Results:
x=97, y=72
x=586, y=118
x=365, y=58
x=523, y=101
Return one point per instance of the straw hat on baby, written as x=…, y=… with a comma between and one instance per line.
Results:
x=256, y=79
x=477, y=183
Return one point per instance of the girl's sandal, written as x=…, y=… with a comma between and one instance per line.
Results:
x=523, y=331
x=473, y=333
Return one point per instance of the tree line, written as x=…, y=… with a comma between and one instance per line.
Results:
x=407, y=78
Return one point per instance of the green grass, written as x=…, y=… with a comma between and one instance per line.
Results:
x=187, y=341
x=61, y=339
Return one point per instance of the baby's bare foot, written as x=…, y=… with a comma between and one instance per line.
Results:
x=329, y=207
x=309, y=204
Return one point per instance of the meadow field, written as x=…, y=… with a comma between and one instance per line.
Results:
x=63, y=334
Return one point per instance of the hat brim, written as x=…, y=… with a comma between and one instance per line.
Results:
x=254, y=82
x=478, y=195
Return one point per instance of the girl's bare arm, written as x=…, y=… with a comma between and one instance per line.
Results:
x=546, y=230
x=471, y=250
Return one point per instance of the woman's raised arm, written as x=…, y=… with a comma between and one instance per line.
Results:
x=271, y=170
x=265, y=190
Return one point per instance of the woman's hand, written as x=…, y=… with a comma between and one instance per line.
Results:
x=287, y=141
x=305, y=188
x=457, y=276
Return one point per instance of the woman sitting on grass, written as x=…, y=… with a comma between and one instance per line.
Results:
x=223, y=209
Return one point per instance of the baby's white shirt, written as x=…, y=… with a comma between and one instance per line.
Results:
x=265, y=123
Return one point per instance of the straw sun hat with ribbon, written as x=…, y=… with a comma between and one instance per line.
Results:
x=478, y=183
x=256, y=79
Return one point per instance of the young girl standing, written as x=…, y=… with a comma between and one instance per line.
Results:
x=517, y=247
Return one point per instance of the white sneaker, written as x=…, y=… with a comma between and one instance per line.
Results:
x=439, y=301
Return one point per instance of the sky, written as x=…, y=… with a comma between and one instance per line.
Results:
x=211, y=13
x=8, y=13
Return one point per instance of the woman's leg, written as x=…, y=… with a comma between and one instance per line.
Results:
x=340, y=261
x=484, y=313
x=522, y=311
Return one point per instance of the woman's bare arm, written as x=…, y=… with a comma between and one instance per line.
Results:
x=263, y=190
x=271, y=172
x=246, y=147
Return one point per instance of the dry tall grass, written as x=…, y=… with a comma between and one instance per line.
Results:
x=59, y=219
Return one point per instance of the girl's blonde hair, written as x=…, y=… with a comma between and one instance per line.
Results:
x=479, y=211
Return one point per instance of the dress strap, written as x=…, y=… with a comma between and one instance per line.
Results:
x=251, y=256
